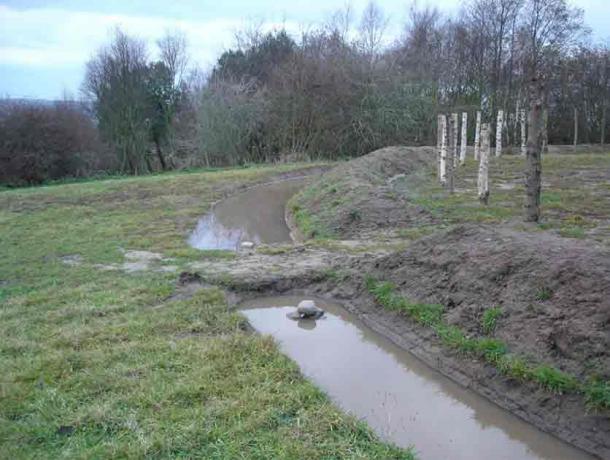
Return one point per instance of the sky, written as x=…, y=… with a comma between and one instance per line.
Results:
x=44, y=44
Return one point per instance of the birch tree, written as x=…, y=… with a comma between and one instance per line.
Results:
x=450, y=164
x=454, y=139
x=477, y=136
x=464, y=138
x=483, y=178
x=499, y=126
x=443, y=152
x=523, y=122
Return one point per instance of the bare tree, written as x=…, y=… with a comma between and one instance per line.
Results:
x=173, y=52
x=372, y=28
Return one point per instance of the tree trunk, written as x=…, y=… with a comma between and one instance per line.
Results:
x=545, y=131
x=464, y=138
x=442, y=159
x=483, y=179
x=517, y=120
x=450, y=165
x=499, y=126
x=454, y=144
x=523, y=121
x=477, y=136
x=438, y=146
x=575, y=126
x=535, y=141
x=160, y=155
x=603, y=133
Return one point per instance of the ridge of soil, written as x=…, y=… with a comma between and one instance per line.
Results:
x=354, y=197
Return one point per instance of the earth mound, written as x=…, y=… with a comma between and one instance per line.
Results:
x=554, y=292
x=358, y=196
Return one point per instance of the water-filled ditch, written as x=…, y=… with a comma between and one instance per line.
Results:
x=401, y=398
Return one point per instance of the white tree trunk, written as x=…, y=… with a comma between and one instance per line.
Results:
x=517, y=120
x=483, y=179
x=442, y=160
x=452, y=132
x=438, y=146
x=523, y=121
x=477, y=136
x=464, y=138
x=499, y=126
x=455, y=121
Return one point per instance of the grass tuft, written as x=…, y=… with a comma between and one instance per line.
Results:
x=490, y=319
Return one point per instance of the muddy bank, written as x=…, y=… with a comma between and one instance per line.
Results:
x=357, y=196
x=554, y=292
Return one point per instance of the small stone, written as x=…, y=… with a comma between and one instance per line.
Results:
x=308, y=309
x=247, y=244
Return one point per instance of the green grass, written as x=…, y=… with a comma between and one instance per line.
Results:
x=571, y=203
x=491, y=350
x=543, y=293
x=100, y=364
x=489, y=320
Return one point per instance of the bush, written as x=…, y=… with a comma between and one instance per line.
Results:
x=39, y=143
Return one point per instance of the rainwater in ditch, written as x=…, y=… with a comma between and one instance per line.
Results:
x=402, y=399
x=255, y=215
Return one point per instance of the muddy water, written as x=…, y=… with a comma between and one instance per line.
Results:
x=255, y=215
x=401, y=398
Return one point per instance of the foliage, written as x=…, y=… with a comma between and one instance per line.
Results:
x=41, y=143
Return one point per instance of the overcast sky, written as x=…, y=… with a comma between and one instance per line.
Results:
x=45, y=44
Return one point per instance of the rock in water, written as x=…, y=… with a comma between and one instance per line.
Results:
x=308, y=309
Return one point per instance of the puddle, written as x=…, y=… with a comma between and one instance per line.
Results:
x=402, y=399
x=255, y=215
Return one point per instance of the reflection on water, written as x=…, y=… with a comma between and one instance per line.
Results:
x=401, y=398
x=256, y=215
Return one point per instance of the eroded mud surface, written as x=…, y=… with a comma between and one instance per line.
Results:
x=401, y=398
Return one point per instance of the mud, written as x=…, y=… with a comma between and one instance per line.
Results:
x=402, y=399
x=255, y=215
x=554, y=292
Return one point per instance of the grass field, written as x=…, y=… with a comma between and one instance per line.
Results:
x=98, y=363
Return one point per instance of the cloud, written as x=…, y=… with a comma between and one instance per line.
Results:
x=46, y=37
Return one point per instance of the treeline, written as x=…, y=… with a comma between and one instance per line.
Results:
x=342, y=89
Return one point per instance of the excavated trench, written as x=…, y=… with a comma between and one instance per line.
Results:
x=401, y=397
